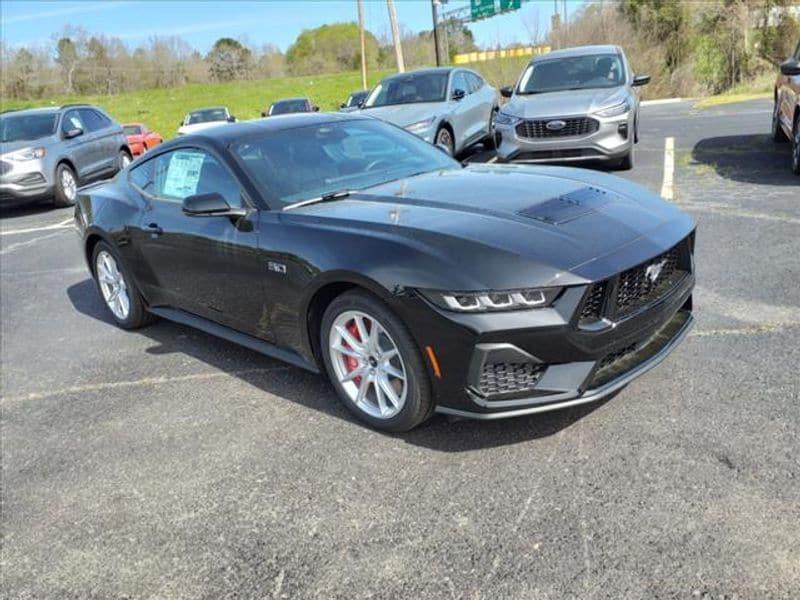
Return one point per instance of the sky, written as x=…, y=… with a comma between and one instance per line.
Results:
x=200, y=23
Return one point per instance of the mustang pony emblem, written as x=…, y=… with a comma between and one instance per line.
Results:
x=653, y=271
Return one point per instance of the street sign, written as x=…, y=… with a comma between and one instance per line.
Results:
x=510, y=5
x=481, y=9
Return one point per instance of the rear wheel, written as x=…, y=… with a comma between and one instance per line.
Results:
x=796, y=147
x=777, y=131
x=490, y=141
x=66, y=186
x=123, y=160
x=117, y=289
x=374, y=364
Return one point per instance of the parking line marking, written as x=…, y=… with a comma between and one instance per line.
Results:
x=111, y=385
x=668, y=185
x=31, y=242
x=63, y=224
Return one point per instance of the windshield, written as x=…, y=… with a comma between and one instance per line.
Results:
x=355, y=99
x=15, y=128
x=288, y=106
x=306, y=162
x=131, y=130
x=572, y=73
x=409, y=89
x=207, y=116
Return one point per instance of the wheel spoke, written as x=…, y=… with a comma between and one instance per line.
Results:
x=390, y=392
x=362, y=390
x=351, y=341
x=347, y=351
x=393, y=371
x=361, y=326
x=379, y=396
x=359, y=372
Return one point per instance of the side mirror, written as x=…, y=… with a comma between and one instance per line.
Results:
x=315, y=108
x=263, y=113
x=343, y=105
x=640, y=80
x=458, y=94
x=180, y=123
x=231, y=119
x=210, y=205
x=791, y=67
x=362, y=103
x=506, y=91
x=73, y=133
x=444, y=148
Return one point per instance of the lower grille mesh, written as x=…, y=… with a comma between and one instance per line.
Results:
x=506, y=378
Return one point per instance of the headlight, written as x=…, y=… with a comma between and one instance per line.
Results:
x=420, y=126
x=615, y=111
x=26, y=154
x=506, y=119
x=493, y=301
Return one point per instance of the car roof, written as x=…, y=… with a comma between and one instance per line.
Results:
x=40, y=109
x=303, y=98
x=225, y=134
x=422, y=71
x=579, y=51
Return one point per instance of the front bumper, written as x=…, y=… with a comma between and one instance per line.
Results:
x=612, y=140
x=505, y=364
x=23, y=181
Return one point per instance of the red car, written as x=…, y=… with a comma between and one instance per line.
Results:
x=140, y=138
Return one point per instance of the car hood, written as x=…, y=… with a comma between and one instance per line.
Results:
x=187, y=129
x=135, y=138
x=404, y=114
x=566, y=103
x=6, y=147
x=490, y=226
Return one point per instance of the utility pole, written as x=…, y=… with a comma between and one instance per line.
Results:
x=363, y=44
x=398, y=49
x=435, y=31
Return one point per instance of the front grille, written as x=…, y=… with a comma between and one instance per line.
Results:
x=573, y=127
x=507, y=378
x=5, y=167
x=647, y=282
x=593, y=306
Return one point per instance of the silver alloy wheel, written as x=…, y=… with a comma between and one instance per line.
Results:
x=444, y=137
x=125, y=160
x=68, y=184
x=368, y=364
x=112, y=285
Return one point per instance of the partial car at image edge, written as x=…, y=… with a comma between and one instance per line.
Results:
x=344, y=245
x=786, y=108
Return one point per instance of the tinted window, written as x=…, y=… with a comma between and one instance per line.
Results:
x=305, y=162
x=142, y=176
x=460, y=82
x=132, y=130
x=92, y=119
x=409, y=88
x=573, y=73
x=288, y=106
x=17, y=127
x=72, y=120
x=207, y=116
x=190, y=171
x=355, y=98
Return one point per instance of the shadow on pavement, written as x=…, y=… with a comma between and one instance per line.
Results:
x=313, y=391
x=753, y=158
x=25, y=210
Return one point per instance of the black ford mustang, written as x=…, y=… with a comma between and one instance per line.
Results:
x=341, y=243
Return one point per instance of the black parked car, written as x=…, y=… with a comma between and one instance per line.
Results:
x=288, y=106
x=341, y=243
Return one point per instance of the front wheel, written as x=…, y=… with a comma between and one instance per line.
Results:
x=117, y=289
x=796, y=147
x=66, y=186
x=778, y=135
x=374, y=364
x=626, y=162
x=445, y=138
x=490, y=141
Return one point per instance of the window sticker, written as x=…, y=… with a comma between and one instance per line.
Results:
x=183, y=173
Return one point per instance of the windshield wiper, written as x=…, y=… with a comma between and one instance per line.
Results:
x=329, y=197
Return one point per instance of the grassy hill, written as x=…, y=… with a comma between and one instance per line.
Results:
x=162, y=109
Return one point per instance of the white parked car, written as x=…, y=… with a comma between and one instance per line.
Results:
x=450, y=107
x=204, y=118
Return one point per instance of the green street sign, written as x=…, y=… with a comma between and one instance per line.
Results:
x=481, y=9
x=510, y=5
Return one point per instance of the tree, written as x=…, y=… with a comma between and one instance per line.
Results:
x=330, y=48
x=67, y=58
x=229, y=59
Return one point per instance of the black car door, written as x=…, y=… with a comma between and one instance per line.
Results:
x=205, y=265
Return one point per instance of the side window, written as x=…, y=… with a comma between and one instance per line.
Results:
x=72, y=120
x=460, y=83
x=91, y=119
x=141, y=176
x=191, y=171
x=104, y=120
x=475, y=82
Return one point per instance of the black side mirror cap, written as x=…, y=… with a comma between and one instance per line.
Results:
x=640, y=80
x=458, y=94
x=73, y=133
x=790, y=68
x=315, y=108
x=506, y=91
x=231, y=119
x=210, y=205
x=263, y=113
x=343, y=105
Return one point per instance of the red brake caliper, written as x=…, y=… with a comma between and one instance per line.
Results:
x=350, y=361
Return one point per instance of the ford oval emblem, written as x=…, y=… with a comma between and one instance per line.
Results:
x=555, y=125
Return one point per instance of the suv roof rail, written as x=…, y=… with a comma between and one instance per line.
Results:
x=74, y=105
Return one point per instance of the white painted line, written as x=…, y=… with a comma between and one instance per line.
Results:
x=61, y=225
x=661, y=101
x=668, y=184
x=25, y=244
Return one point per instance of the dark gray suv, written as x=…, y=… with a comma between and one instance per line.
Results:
x=49, y=152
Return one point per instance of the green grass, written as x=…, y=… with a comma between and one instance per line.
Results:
x=760, y=87
x=163, y=109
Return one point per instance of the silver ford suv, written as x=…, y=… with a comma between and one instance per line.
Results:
x=571, y=105
x=49, y=152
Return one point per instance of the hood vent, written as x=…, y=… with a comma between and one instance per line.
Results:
x=569, y=207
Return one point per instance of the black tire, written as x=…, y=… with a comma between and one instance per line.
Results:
x=636, y=130
x=796, y=147
x=418, y=405
x=137, y=315
x=122, y=157
x=490, y=141
x=626, y=162
x=446, y=140
x=62, y=197
x=778, y=135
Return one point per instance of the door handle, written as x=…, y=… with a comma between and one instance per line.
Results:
x=154, y=230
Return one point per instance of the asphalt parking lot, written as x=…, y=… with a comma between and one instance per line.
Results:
x=167, y=463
